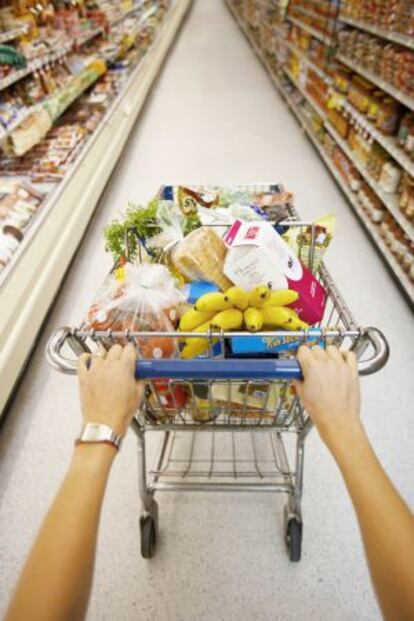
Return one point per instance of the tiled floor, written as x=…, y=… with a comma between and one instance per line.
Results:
x=214, y=117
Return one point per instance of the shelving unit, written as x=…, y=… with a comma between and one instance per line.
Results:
x=312, y=31
x=389, y=200
x=9, y=35
x=389, y=143
x=389, y=35
x=307, y=61
x=385, y=253
x=385, y=86
x=52, y=240
x=34, y=65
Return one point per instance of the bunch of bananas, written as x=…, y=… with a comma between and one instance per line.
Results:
x=236, y=309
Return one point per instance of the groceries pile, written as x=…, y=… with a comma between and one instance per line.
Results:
x=198, y=264
x=211, y=260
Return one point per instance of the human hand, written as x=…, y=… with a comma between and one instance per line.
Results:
x=330, y=392
x=109, y=392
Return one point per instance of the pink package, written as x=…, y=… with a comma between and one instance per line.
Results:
x=258, y=255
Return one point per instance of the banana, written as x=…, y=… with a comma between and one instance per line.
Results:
x=212, y=302
x=282, y=297
x=197, y=345
x=281, y=317
x=238, y=297
x=194, y=346
x=276, y=316
x=259, y=295
x=253, y=319
x=230, y=319
x=193, y=318
x=296, y=324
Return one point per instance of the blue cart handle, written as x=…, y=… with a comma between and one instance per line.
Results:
x=218, y=369
x=238, y=369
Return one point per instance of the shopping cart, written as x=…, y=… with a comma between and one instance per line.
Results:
x=240, y=426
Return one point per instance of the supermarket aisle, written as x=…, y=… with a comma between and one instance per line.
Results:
x=214, y=117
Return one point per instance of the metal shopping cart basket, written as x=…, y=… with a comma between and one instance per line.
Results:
x=241, y=428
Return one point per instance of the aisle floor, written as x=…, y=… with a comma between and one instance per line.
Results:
x=214, y=117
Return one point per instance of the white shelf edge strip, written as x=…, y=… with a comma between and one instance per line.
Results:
x=377, y=239
x=388, y=35
x=9, y=35
x=385, y=86
x=315, y=33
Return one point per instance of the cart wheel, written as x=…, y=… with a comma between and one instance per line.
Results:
x=148, y=536
x=148, y=524
x=294, y=539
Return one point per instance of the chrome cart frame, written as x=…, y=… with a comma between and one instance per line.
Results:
x=240, y=427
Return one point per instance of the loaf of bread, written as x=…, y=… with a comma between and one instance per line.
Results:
x=200, y=256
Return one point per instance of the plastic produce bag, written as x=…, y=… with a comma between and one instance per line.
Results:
x=139, y=298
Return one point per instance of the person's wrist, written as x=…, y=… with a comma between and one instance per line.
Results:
x=342, y=438
x=91, y=455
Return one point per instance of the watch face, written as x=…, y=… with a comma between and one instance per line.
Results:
x=94, y=432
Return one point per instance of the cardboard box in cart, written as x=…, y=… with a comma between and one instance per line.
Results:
x=259, y=255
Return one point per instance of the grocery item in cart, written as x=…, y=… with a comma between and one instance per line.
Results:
x=139, y=298
x=258, y=254
x=200, y=256
x=309, y=249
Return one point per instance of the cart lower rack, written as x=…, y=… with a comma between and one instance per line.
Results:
x=215, y=440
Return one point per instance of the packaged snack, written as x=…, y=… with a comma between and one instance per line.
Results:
x=258, y=254
x=200, y=256
x=251, y=399
x=140, y=299
x=300, y=240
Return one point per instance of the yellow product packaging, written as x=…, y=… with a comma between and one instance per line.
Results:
x=300, y=240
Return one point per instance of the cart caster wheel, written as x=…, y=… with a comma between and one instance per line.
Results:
x=294, y=539
x=148, y=536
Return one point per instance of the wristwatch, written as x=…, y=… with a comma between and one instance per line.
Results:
x=97, y=433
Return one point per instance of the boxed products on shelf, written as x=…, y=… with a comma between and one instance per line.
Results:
x=397, y=15
x=391, y=62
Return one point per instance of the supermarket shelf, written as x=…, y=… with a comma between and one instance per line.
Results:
x=371, y=229
x=312, y=31
x=389, y=200
x=9, y=35
x=306, y=95
x=385, y=86
x=389, y=143
x=389, y=35
x=127, y=14
x=26, y=295
x=401, y=277
x=34, y=65
x=87, y=36
x=302, y=55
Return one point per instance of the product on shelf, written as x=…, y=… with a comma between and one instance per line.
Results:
x=19, y=204
x=389, y=61
x=59, y=77
x=397, y=16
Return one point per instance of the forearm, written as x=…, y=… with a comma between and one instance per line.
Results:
x=386, y=523
x=56, y=580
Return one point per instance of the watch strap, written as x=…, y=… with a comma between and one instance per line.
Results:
x=97, y=433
